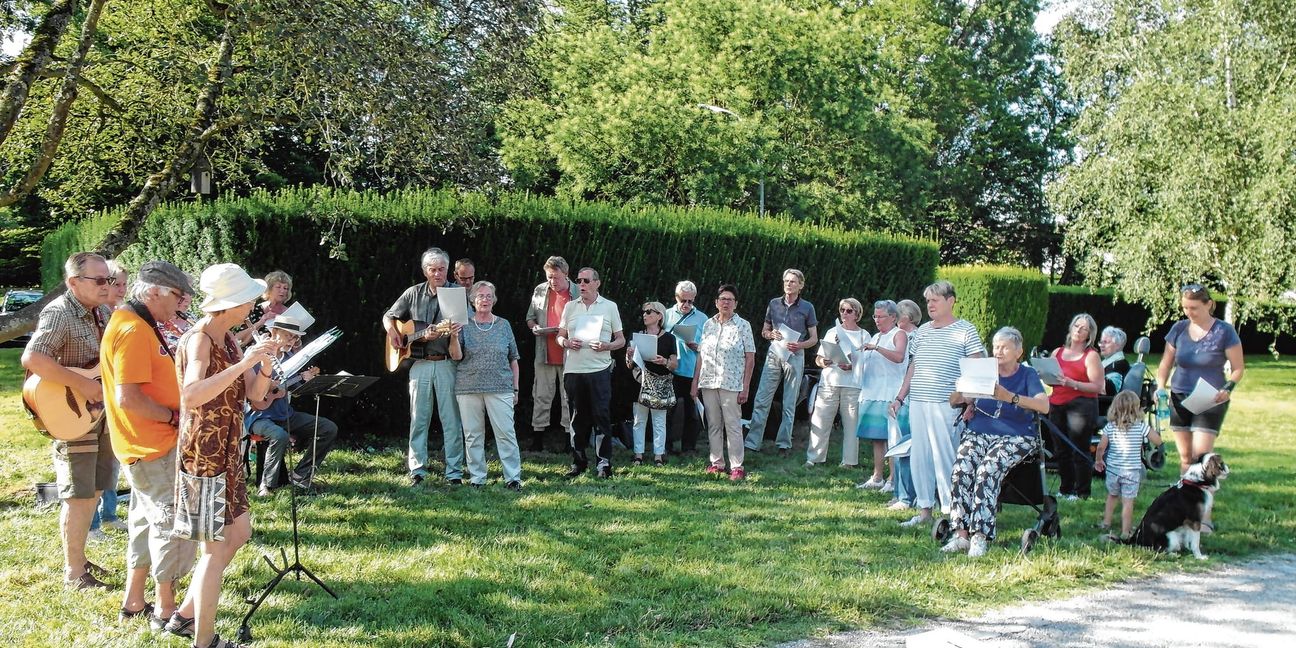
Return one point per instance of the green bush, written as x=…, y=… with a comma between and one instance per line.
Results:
x=351, y=254
x=995, y=296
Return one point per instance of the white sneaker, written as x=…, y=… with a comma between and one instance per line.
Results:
x=978, y=546
x=116, y=525
x=809, y=464
x=887, y=487
x=873, y=483
x=1073, y=498
x=96, y=536
x=957, y=544
x=898, y=506
x=915, y=521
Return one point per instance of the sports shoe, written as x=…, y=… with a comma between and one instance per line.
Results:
x=737, y=474
x=873, y=483
x=514, y=485
x=898, y=505
x=115, y=525
x=604, y=472
x=415, y=480
x=576, y=470
x=957, y=544
x=809, y=464
x=887, y=487
x=456, y=482
x=978, y=546
x=713, y=469
x=96, y=536
x=915, y=521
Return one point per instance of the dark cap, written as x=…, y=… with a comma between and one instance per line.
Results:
x=161, y=273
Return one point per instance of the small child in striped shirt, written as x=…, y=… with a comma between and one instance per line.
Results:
x=1120, y=454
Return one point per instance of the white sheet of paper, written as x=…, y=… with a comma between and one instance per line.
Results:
x=587, y=328
x=645, y=346
x=302, y=358
x=900, y=449
x=1049, y=370
x=1202, y=397
x=847, y=345
x=779, y=347
x=453, y=304
x=834, y=353
x=978, y=377
x=686, y=332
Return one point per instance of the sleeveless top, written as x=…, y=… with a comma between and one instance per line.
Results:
x=209, y=433
x=1075, y=370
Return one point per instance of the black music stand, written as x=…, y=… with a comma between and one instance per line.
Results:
x=336, y=386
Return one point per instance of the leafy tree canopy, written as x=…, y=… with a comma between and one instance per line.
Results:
x=1186, y=168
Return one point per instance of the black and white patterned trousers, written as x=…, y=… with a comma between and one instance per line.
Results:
x=982, y=463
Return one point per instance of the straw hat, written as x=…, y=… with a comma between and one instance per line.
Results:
x=226, y=286
x=294, y=320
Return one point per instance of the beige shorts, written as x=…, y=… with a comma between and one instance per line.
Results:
x=151, y=519
x=85, y=465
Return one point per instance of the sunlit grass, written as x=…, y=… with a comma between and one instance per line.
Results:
x=654, y=557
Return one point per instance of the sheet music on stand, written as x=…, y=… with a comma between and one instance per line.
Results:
x=300, y=360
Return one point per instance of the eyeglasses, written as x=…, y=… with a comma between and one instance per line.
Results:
x=725, y=299
x=651, y=312
x=100, y=281
x=683, y=301
x=847, y=310
x=585, y=280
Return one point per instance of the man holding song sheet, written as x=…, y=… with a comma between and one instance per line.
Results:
x=590, y=331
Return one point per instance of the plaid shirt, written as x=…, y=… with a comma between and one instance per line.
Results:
x=69, y=332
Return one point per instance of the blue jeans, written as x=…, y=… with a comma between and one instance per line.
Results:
x=313, y=450
x=106, y=511
x=773, y=373
x=431, y=379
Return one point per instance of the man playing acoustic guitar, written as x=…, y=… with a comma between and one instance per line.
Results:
x=432, y=374
x=68, y=335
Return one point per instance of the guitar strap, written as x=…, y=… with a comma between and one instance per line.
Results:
x=143, y=311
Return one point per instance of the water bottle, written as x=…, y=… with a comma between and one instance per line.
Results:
x=1163, y=406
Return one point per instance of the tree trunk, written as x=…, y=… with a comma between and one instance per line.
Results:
x=157, y=187
x=32, y=62
x=58, y=116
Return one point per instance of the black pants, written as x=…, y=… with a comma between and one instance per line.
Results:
x=589, y=395
x=684, y=423
x=1077, y=420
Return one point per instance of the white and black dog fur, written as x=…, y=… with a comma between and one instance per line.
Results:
x=1173, y=521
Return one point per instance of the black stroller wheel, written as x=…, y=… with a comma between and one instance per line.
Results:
x=941, y=531
x=1029, y=536
x=1052, y=527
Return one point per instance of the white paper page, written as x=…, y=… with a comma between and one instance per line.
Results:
x=637, y=357
x=834, y=353
x=645, y=346
x=587, y=328
x=900, y=449
x=453, y=303
x=1202, y=397
x=1049, y=370
x=779, y=347
x=299, y=361
x=686, y=332
x=978, y=377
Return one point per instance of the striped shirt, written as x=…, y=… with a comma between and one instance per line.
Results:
x=935, y=353
x=1125, y=446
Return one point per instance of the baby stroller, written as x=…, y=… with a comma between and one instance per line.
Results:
x=1027, y=485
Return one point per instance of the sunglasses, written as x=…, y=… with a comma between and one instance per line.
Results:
x=651, y=312
x=1193, y=288
x=100, y=281
x=585, y=280
x=847, y=310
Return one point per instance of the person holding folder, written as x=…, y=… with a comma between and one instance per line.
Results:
x=590, y=332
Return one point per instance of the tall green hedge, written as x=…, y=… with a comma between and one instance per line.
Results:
x=351, y=254
x=995, y=296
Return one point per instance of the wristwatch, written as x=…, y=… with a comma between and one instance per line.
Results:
x=1015, y=398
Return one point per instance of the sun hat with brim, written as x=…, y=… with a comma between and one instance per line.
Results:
x=226, y=286
x=294, y=320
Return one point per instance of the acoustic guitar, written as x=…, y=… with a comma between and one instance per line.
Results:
x=60, y=412
x=412, y=343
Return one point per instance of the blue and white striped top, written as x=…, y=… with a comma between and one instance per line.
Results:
x=1125, y=446
x=935, y=353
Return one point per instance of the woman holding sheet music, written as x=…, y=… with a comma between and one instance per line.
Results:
x=657, y=389
x=840, y=356
x=884, y=367
x=1075, y=404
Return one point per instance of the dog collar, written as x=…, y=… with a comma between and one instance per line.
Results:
x=1194, y=484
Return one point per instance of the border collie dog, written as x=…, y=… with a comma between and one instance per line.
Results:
x=1174, y=519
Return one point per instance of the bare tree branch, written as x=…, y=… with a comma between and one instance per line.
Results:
x=62, y=105
x=31, y=62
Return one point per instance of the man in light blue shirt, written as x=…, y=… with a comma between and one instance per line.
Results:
x=685, y=423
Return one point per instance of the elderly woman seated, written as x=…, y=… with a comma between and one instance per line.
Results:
x=1111, y=346
x=1000, y=434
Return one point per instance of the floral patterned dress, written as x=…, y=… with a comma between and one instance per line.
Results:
x=209, y=433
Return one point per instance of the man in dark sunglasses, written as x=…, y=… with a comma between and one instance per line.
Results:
x=684, y=423
x=68, y=335
x=590, y=331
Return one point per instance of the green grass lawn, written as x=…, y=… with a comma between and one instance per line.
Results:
x=654, y=557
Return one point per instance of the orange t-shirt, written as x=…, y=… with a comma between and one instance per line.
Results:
x=131, y=353
x=554, y=354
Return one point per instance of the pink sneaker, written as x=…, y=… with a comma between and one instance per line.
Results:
x=714, y=470
x=737, y=474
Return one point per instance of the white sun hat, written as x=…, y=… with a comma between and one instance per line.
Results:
x=294, y=320
x=226, y=286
